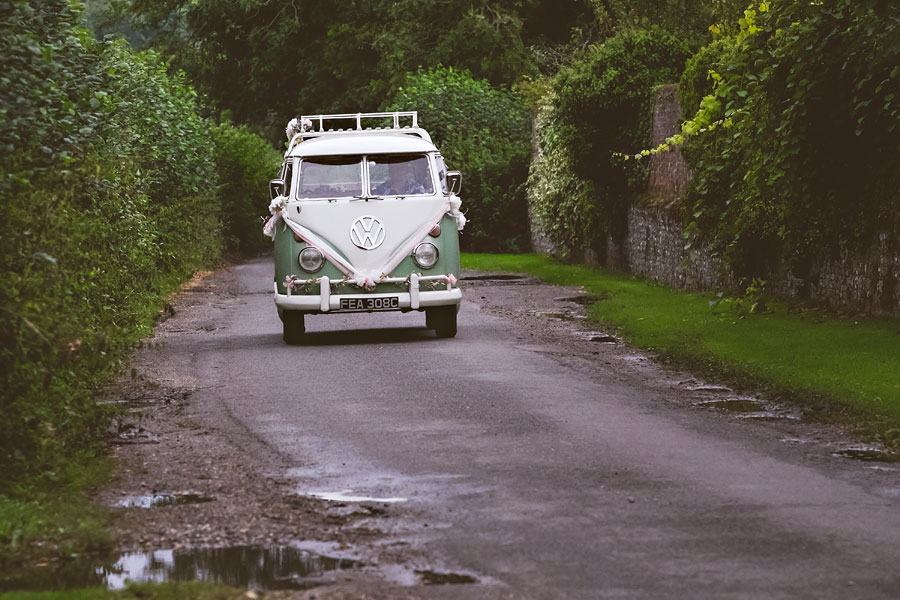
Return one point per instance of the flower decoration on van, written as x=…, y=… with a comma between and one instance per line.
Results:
x=456, y=213
x=292, y=282
x=296, y=283
x=275, y=207
x=296, y=126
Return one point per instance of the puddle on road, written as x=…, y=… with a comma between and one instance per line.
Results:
x=558, y=316
x=147, y=396
x=634, y=358
x=742, y=405
x=747, y=408
x=596, y=336
x=435, y=578
x=493, y=277
x=867, y=455
x=583, y=299
x=134, y=434
x=405, y=576
x=164, y=499
x=348, y=496
x=253, y=567
x=550, y=315
x=709, y=388
x=769, y=416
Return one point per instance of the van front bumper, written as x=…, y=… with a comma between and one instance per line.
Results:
x=326, y=301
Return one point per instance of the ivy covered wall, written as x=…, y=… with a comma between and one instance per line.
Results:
x=790, y=135
x=858, y=279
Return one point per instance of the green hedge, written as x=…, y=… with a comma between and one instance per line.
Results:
x=111, y=195
x=808, y=161
x=599, y=106
x=485, y=133
x=245, y=162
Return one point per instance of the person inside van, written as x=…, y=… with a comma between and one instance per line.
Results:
x=401, y=180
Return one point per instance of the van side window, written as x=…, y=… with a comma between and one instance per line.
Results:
x=442, y=173
x=286, y=173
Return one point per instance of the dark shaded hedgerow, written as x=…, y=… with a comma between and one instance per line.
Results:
x=245, y=162
x=808, y=162
x=110, y=193
x=598, y=106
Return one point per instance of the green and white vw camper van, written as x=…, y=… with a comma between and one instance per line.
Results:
x=365, y=219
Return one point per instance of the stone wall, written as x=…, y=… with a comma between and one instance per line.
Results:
x=654, y=248
x=540, y=241
x=858, y=282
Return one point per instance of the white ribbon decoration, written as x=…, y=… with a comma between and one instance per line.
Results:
x=321, y=245
x=370, y=278
x=455, y=204
x=269, y=227
x=275, y=207
x=412, y=241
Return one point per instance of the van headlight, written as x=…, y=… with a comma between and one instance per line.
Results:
x=310, y=259
x=425, y=255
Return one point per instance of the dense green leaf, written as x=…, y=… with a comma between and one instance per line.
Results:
x=484, y=132
x=811, y=162
x=598, y=106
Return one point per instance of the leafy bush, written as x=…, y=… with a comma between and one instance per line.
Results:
x=483, y=132
x=600, y=105
x=562, y=202
x=245, y=163
x=807, y=158
x=49, y=90
x=350, y=55
x=109, y=200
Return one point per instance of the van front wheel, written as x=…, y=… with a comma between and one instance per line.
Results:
x=294, y=326
x=442, y=319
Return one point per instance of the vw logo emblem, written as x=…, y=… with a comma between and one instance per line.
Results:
x=367, y=233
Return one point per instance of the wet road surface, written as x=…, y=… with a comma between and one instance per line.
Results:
x=502, y=459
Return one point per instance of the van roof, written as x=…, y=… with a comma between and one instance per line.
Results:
x=362, y=142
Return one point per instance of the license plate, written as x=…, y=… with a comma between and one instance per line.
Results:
x=389, y=303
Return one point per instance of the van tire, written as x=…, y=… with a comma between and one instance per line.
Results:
x=442, y=319
x=294, y=327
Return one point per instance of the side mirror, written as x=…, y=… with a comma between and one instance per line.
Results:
x=276, y=188
x=454, y=181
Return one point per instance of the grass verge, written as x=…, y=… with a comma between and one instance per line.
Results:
x=144, y=591
x=843, y=368
x=41, y=521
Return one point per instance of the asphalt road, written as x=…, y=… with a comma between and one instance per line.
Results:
x=511, y=456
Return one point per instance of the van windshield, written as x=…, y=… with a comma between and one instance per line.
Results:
x=400, y=175
x=330, y=177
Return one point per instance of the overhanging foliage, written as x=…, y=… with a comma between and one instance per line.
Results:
x=808, y=158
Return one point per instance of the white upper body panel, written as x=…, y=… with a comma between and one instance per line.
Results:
x=400, y=219
x=361, y=142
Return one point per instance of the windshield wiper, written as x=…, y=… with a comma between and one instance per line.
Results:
x=367, y=198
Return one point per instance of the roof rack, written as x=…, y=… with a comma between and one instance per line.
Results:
x=321, y=120
x=358, y=117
